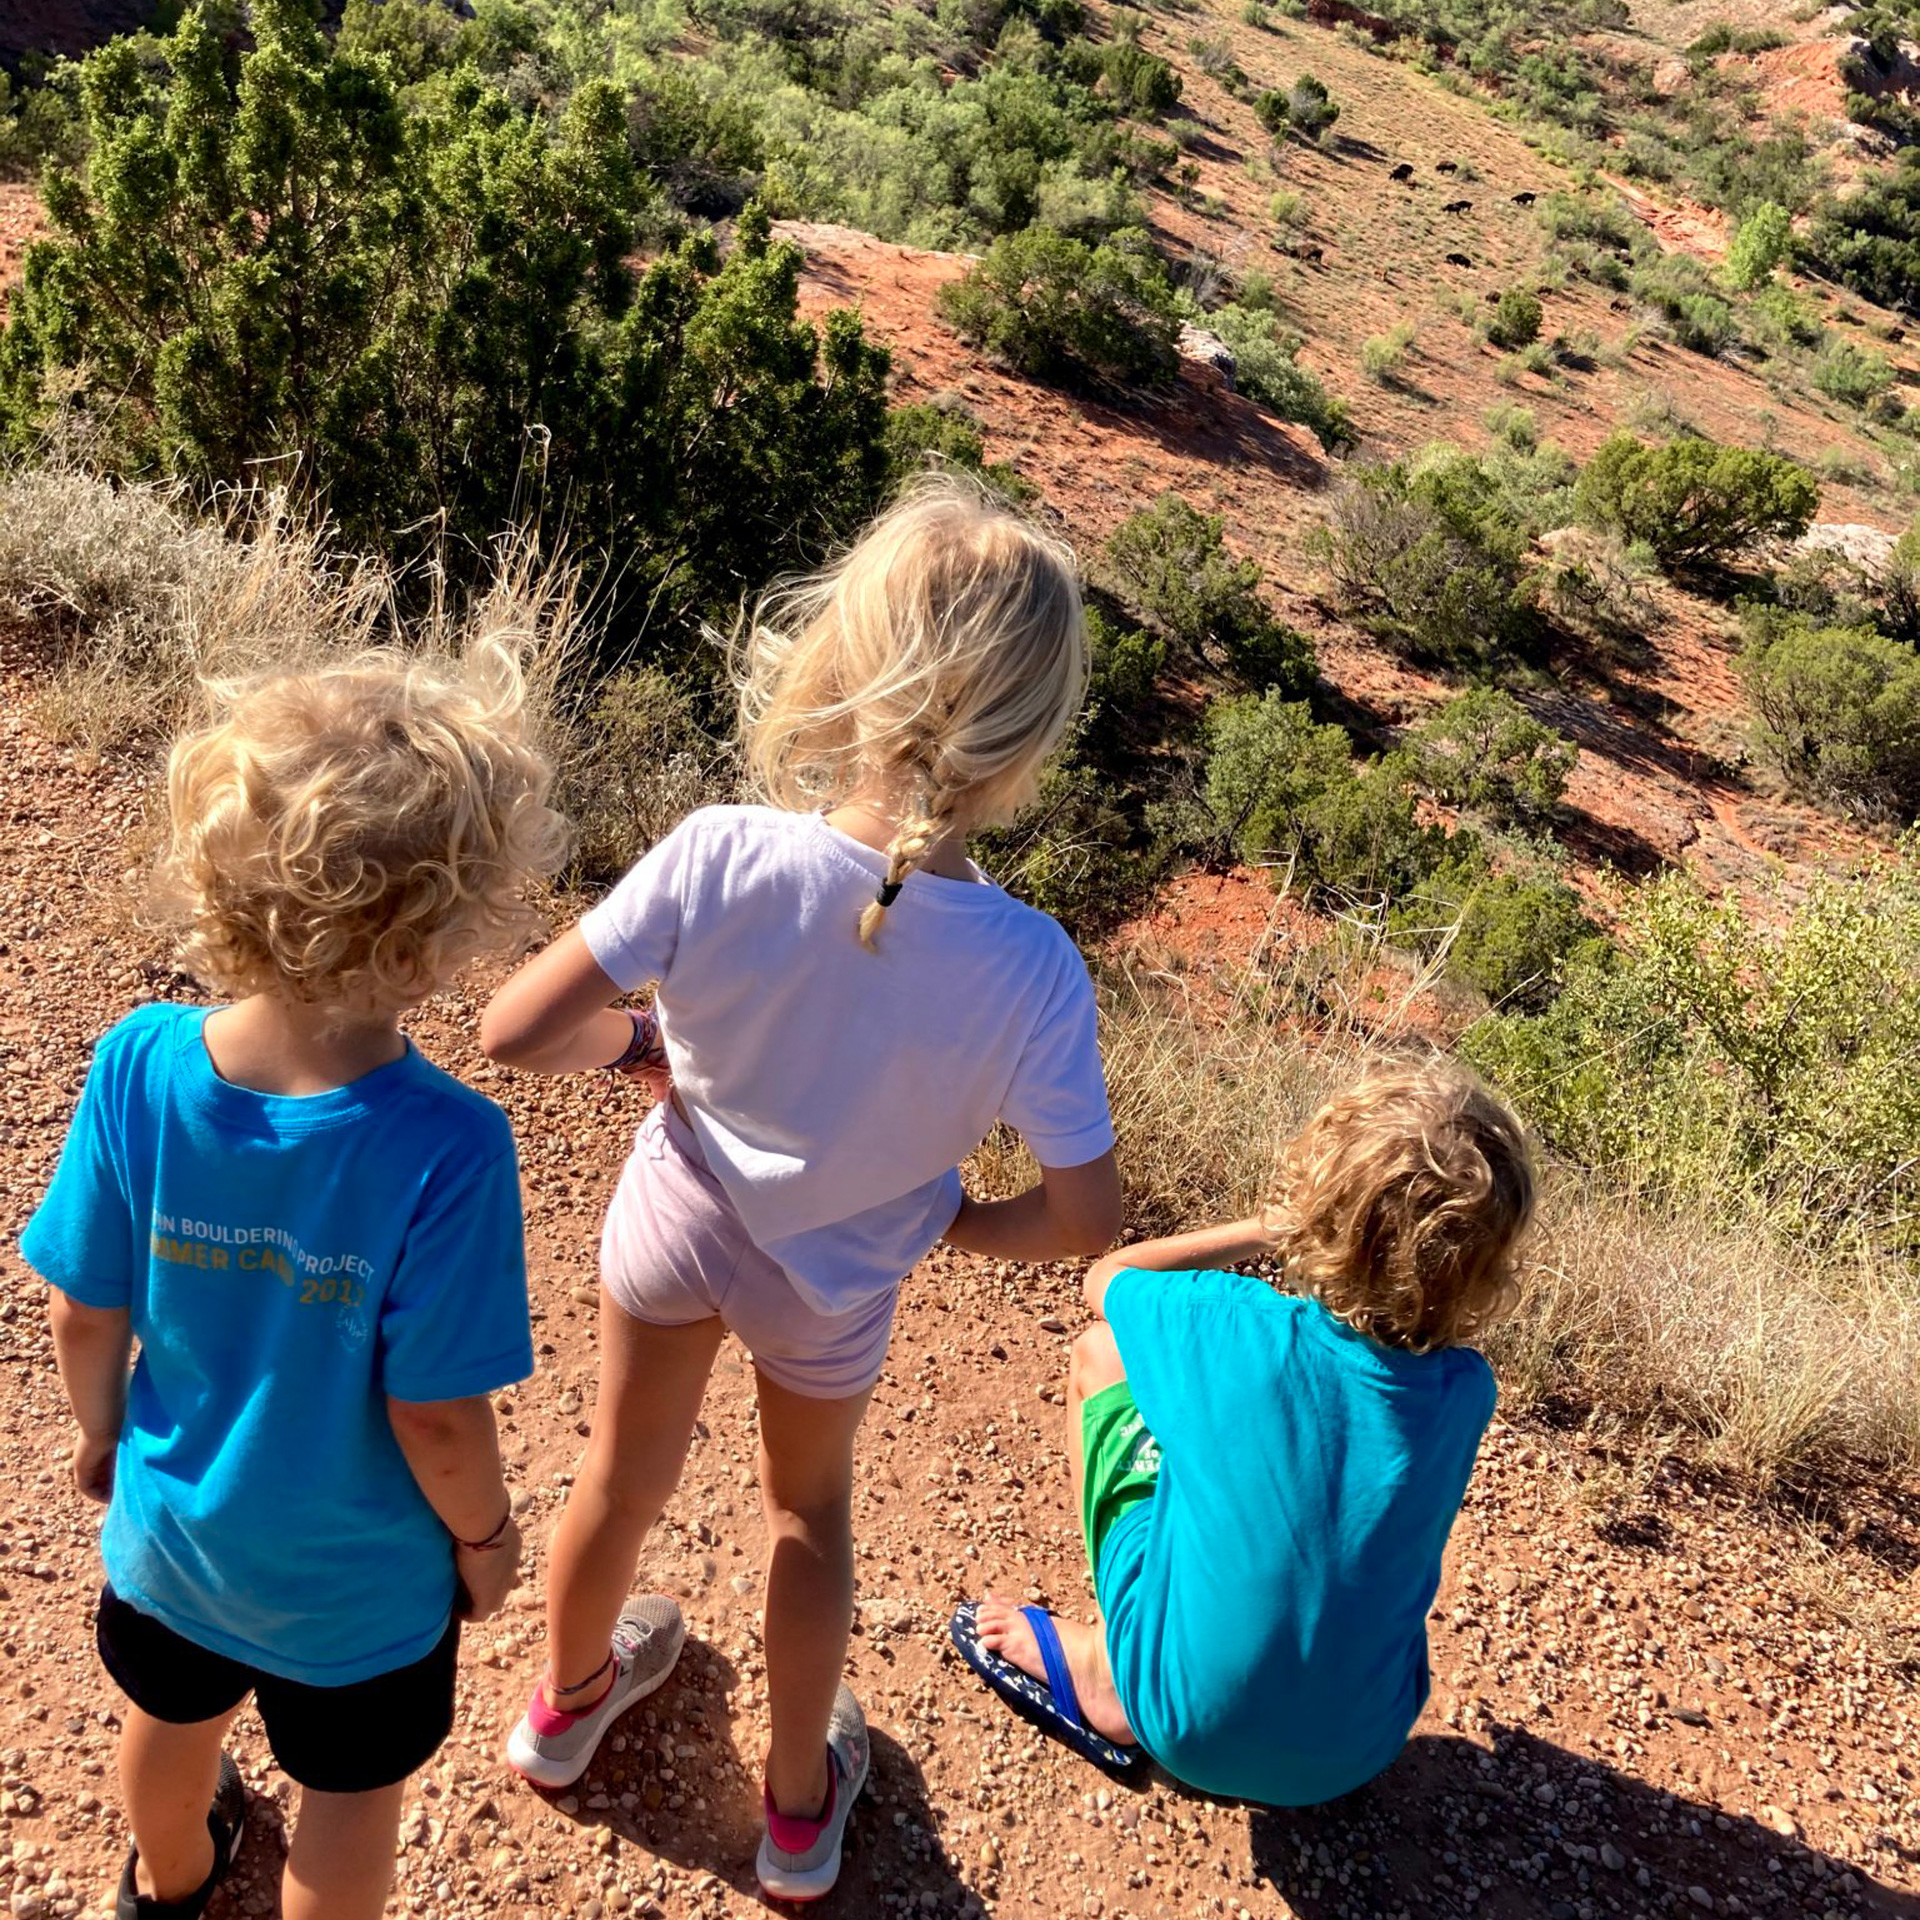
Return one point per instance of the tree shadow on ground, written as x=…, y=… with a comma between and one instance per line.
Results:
x=892, y=1845
x=1539, y=1833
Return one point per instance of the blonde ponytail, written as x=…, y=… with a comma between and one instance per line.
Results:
x=939, y=660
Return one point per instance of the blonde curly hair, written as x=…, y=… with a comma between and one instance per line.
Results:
x=937, y=662
x=354, y=833
x=1402, y=1203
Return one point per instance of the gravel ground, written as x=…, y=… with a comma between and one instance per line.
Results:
x=1649, y=1699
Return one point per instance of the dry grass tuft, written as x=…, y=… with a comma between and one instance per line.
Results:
x=145, y=599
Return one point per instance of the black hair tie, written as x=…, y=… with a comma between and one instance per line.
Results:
x=889, y=892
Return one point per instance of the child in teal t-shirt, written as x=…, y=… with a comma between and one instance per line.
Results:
x=1267, y=1480
x=314, y=1235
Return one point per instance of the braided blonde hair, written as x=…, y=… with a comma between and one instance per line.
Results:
x=938, y=661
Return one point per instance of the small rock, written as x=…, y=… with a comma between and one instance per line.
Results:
x=1611, y=1857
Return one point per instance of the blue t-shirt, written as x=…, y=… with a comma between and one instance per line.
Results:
x=1267, y=1609
x=288, y=1263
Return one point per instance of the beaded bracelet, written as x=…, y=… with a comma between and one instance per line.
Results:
x=643, y=1049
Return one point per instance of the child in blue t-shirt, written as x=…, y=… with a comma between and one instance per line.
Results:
x=315, y=1237
x=1267, y=1480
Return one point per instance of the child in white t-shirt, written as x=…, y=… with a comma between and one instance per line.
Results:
x=846, y=1005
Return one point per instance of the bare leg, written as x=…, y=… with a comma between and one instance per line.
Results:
x=652, y=1380
x=806, y=1482
x=340, y=1864
x=167, y=1776
x=1095, y=1365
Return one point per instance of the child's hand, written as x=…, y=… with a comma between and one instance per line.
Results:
x=487, y=1575
x=93, y=1467
x=658, y=1081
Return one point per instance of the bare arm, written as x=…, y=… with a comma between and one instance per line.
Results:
x=453, y=1448
x=1222, y=1246
x=1073, y=1210
x=92, y=1345
x=556, y=1014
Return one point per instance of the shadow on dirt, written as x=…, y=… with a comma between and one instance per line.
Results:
x=680, y=1748
x=1536, y=1831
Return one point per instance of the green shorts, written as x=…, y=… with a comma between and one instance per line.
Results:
x=1122, y=1465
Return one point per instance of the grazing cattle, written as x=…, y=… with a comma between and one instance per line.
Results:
x=1458, y=260
x=1404, y=171
x=1524, y=199
x=1458, y=206
x=1896, y=333
x=1305, y=250
x=1620, y=305
x=1448, y=166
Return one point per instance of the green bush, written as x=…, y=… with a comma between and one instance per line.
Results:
x=1511, y=936
x=1061, y=310
x=1780, y=319
x=922, y=436
x=1678, y=289
x=1140, y=81
x=1125, y=665
x=1173, y=567
x=1072, y=853
x=39, y=125
x=1870, y=239
x=1694, y=502
x=1266, y=370
x=1513, y=425
x=1898, y=614
x=1723, y=37
x=1435, y=553
x=1764, y=240
x=1382, y=355
x=1267, y=762
x=1855, y=376
x=1311, y=110
x=1516, y=938
x=461, y=340
x=1362, y=838
x=1723, y=1057
x=1273, y=111
x=1516, y=319
x=1284, y=792
x=1483, y=751
x=1837, y=710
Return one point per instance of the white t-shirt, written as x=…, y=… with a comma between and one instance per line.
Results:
x=835, y=1091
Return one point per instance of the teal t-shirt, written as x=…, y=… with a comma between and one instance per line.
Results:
x=1266, y=1610
x=287, y=1264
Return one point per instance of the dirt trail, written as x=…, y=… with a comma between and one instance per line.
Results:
x=1646, y=1701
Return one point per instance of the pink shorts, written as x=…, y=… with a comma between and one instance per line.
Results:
x=674, y=1251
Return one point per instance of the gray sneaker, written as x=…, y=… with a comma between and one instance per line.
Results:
x=552, y=1749
x=800, y=1859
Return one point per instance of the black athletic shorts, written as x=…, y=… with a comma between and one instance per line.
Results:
x=334, y=1739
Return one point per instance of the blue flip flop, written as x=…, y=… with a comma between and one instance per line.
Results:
x=1052, y=1705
